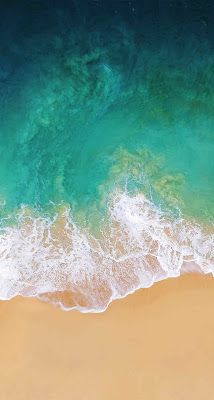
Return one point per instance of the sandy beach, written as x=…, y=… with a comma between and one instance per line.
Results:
x=155, y=344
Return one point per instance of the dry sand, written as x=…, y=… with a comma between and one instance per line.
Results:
x=156, y=344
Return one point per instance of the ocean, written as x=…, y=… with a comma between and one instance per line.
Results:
x=107, y=143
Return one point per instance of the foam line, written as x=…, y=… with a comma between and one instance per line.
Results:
x=60, y=262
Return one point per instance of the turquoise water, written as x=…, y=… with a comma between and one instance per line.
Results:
x=65, y=117
x=106, y=105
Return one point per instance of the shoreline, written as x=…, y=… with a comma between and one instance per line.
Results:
x=189, y=267
x=141, y=246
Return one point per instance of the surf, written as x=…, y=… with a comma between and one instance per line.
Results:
x=139, y=244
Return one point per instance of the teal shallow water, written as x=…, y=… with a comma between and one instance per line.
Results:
x=65, y=122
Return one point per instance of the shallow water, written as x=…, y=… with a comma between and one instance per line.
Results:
x=107, y=144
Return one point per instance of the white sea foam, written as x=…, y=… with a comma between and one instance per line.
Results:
x=59, y=262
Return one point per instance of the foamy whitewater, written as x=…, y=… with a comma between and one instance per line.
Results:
x=56, y=261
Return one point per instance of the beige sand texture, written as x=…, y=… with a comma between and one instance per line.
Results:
x=157, y=344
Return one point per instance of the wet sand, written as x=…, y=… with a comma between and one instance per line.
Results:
x=156, y=344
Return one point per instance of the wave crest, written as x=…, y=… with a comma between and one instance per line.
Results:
x=60, y=262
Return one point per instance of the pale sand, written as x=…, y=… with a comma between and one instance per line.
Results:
x=156, y=344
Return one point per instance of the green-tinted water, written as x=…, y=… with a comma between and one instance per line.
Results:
x=86, y=115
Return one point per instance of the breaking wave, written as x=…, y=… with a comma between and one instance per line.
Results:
x=60, y=262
